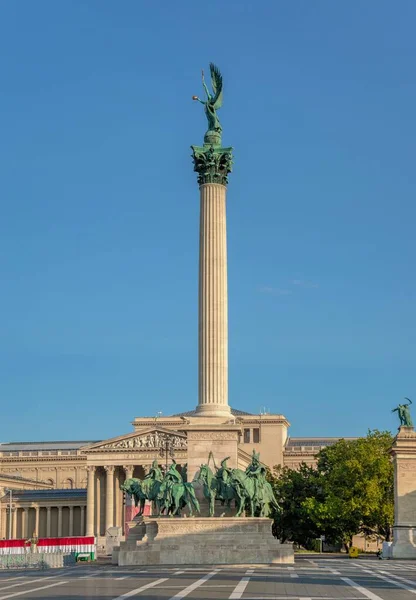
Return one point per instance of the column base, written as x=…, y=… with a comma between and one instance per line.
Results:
x=213, y=410
x=404, y=542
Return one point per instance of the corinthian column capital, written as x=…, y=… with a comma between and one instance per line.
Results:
x=212, y=163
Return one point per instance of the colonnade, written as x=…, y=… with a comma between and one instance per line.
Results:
x=105, y=506
x=47, y=521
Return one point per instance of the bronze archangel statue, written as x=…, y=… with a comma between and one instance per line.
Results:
x=212, y=104
x=404, y=413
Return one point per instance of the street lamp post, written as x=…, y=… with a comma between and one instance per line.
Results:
x=166, y=449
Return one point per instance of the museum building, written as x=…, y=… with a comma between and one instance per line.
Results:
x=49, y=480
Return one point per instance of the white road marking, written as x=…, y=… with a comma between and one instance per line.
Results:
x=8, y=587
x=195, y=585
x=241, y=585
x=399, y=577
x=294, y=576
x=44, y=587
x=312, y=562
x=360, y=589
x=179, y=572
x=96, y=574
x=396, y=583
x=208, y=585
x=124, y=577
x=140, y=589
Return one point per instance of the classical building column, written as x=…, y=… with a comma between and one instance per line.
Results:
x=82, y=526
x=37, y=520
x=213, y=165
x=128, y=470
x=71, y=521
x=90, y=500
x=25, y=523
x=109, y=496
x=2, y=523
x=59, y=521
x=14, y=523
x=48, y=521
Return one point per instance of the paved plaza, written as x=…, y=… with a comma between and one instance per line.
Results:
x=309, y=579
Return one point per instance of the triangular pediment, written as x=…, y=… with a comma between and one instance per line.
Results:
x=152, y=438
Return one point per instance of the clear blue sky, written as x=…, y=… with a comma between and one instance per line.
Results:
x=99, y=211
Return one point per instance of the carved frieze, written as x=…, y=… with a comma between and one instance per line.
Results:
x=156, y=440
x=407, y=466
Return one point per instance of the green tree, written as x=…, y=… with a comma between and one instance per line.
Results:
x=356, y=478
x=292, y=489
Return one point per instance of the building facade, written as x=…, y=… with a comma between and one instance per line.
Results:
x=73, y=487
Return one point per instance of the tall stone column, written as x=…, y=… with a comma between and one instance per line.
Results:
x=82, y=523
x=90, y=500
x=37, y=513
x=14, y=523
x=109, y=497
x=128, y=471
x=25, y=523
x=403, y=452
x=48, y=521
x=59, y=521
x=71, y=521
x=213, y=163
x=129, y=509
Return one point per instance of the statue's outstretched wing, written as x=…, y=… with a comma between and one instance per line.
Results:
x=216, y=80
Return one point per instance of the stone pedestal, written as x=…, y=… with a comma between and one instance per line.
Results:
x=404, y=459
x=202, y=541
x=220, y=439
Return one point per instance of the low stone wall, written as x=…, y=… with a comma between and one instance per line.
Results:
x=47, y=560
x=201, y=541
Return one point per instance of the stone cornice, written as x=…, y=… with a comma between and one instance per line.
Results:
x=311, y=454
x=147, y=422
x=34, y=459
x=261, y=421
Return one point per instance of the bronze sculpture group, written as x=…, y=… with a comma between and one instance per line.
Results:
x=170, y=493
x=247, y=488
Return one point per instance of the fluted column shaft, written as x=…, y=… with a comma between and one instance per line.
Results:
x=14, y=523
x=109, y=497
x=213, y=302
x=71, y=521
x=60, y=521
x=90, y=500
x=37, y=515
x=48, y=521
x=82, y=525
